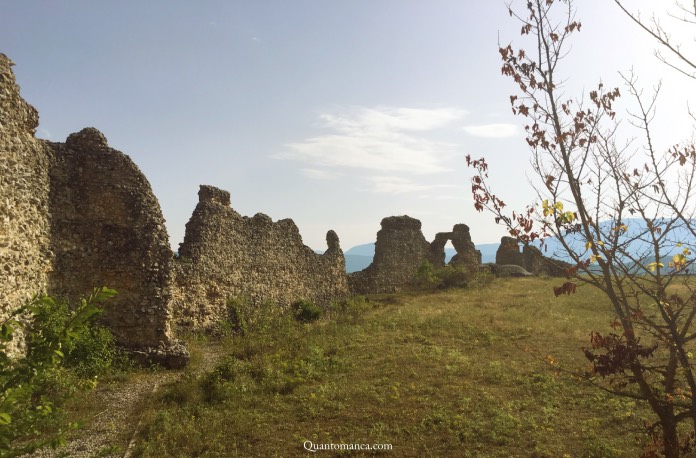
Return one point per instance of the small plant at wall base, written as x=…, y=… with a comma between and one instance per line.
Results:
x=32, y=386
x=592, y=186
x=428, y=277
x=306, y=311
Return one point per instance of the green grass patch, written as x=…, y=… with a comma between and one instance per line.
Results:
x=452, y=373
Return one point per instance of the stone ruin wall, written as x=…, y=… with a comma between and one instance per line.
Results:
x=225, y=255
x=80, y=215
x=25, y=258
x=107, y=229
x=530, y=259
x=401, y=248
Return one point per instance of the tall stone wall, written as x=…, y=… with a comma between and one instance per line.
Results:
x=107, y=229
x=25, y=257
x=226, y=255
x=401, y=248
x=80, y=215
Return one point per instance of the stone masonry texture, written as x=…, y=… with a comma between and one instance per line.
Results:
x=225, y=255
x=531, y=259
x=401, y=248
x=25, y=258
x=79, y=215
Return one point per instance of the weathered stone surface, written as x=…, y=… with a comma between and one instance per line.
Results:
x=510, y=270
x=226, y=255
x=467, y=254
x=437, y=248
x=539, y=264
x=107, y=229
x=25, y=257
x=400, y=250
x=530, y=259
x=509, y=252
x=80, y=215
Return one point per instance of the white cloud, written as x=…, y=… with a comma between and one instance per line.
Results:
x=492, y=130
x=382, y=138
x=317, y=174
x=399, y=185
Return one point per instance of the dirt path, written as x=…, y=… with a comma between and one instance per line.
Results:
x=117, y=406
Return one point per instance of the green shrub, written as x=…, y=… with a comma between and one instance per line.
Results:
x=236, y=322
x=92, y=349
x=452, y=277
x=428, y=277
x=94, y=352
x=306, y=311
x=33, y=386
x=425, y=277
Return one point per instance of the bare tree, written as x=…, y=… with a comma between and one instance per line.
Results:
x=675, y=56
x=623, y=212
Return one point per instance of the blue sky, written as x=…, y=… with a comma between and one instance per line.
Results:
x=332, y=113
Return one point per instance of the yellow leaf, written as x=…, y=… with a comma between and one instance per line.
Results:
x=653, y=265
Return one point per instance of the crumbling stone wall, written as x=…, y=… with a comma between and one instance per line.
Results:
x=107, y=229
x=401, y=248
x=24, y=188
x=226, y=255
x=531, y=259
x=509, y=253
x=80, y=215
x=467, y=254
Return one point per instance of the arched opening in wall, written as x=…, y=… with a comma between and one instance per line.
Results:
x=449, y=251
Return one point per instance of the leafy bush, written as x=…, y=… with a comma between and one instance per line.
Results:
x=306, y=311
x=428, y=277
x=92, y=349
x=425, y=277
x=236, y=321
x=34, y=385
x=94, y=352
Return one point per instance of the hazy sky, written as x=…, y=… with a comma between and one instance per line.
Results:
x=335, y=113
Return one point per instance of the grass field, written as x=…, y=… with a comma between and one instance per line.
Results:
x=452, y=373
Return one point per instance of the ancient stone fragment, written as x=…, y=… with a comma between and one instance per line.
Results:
x=539, y=264
x=467, y=254
x=509, y=252
x=225, y=255
x=401, y=249
x=510, y=270
x=530, y=259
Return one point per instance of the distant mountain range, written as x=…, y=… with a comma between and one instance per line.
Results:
x=360, y=256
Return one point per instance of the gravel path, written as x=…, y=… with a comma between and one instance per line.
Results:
x=112, y=429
